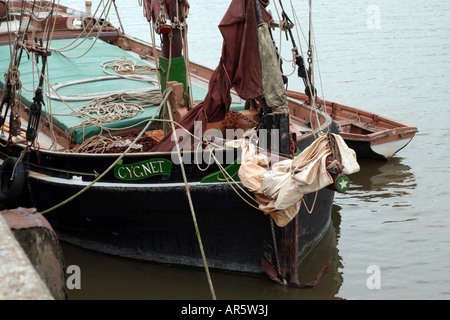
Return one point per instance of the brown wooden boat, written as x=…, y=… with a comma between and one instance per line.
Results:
x=370, y=135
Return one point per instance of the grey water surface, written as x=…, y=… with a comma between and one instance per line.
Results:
x=389, y=237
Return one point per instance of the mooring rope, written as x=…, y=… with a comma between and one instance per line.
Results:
x=191, y=206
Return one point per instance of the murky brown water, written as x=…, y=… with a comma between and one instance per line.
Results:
x=396, y=215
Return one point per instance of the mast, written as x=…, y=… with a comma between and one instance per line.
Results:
x=166, y=16
x=169, y=20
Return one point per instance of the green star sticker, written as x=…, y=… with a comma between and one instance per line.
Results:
x=342, y=184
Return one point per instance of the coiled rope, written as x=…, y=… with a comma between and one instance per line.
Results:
x=119, y=106
x=127, y=68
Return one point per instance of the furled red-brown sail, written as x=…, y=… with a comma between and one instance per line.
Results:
x=239, y=67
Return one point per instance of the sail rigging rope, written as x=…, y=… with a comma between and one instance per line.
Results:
x=82, y=32
x=280, y=57
x=309, y=75
x=309, y=79
x=97, y=24
x=118, y=16
x=31, y=12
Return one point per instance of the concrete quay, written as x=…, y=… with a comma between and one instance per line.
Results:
x=19, y=279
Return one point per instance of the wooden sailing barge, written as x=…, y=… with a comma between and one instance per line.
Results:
x=118, y=185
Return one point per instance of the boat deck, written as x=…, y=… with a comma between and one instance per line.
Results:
x=62, y=70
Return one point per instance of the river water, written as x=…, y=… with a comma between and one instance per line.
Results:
x=390, y=233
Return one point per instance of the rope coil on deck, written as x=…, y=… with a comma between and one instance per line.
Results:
x=52, y=94
x=119, y=106
x=126, y=68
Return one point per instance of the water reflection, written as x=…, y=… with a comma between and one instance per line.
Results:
x=109, y=277
x=379, y=180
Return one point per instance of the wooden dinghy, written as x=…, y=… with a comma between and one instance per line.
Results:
x=369, y=134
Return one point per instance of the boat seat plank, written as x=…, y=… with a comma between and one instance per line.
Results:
x=358, y=124
x=346, y=122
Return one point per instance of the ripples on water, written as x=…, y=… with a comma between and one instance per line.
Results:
x=396, y=214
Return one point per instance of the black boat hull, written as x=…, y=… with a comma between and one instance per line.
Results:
x=154, y=222
x=366, y=149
